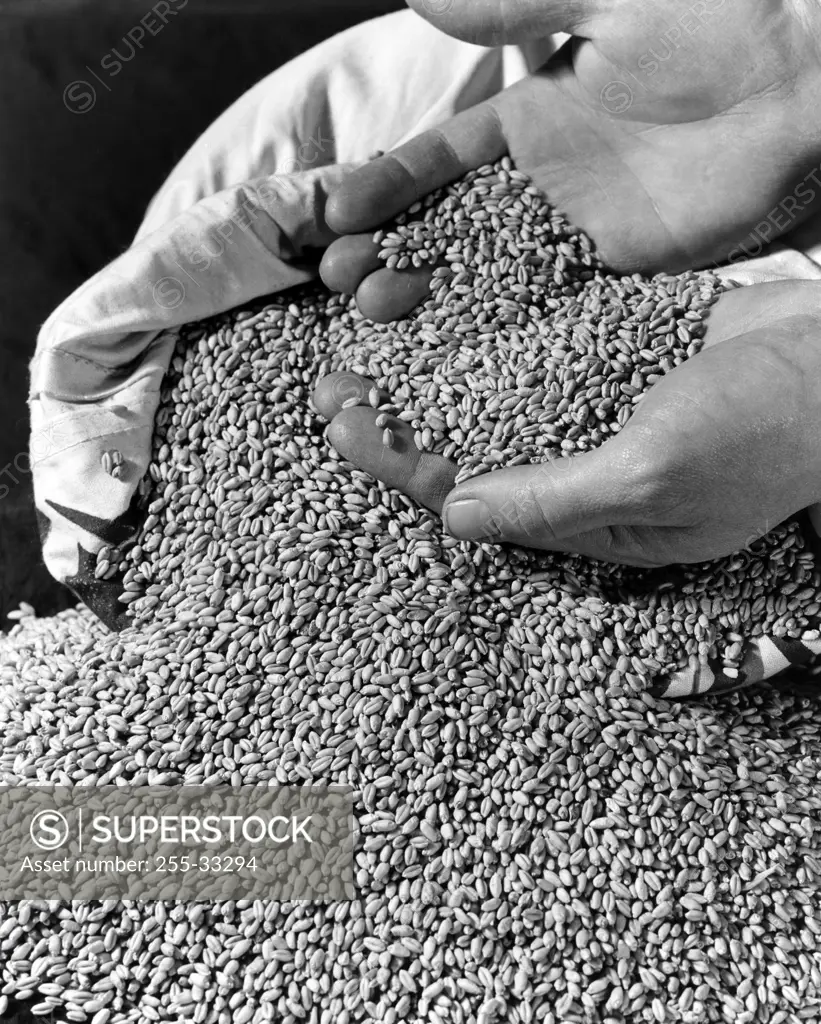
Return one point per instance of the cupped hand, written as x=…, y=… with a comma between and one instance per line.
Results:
x=675, y=134
x=719, y=451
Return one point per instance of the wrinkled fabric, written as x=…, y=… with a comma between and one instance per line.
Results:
x=238, y=218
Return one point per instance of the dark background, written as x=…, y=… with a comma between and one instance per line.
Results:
x=74, y=186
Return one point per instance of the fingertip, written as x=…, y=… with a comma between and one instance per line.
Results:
x=347, y=261
x=335, y=389
x=345, y=430
x=387, y=295
x=342, y=212
x=355, y=435
x=469, y=518
x=369, y=196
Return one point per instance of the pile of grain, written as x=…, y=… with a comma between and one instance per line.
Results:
x=539, y=838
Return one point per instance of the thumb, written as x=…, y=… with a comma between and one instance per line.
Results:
x=544, y=505
x=382, y=188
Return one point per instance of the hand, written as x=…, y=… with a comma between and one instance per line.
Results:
x=720, y=450
x=673, y=133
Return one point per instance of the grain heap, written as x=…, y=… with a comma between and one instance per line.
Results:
x=539, y=838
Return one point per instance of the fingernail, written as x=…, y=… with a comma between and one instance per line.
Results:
x=467, y=519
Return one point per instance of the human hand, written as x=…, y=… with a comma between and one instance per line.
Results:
x=720, y=450
x=666, y=164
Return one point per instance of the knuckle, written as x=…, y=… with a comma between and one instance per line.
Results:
x=531, y=506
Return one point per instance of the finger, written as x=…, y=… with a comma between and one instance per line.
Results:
x=382, y=188
x=424, y=477
x=499, y=22
x=336, y=390
x=349, y=260
x=540, y=505
x=642, y=547
x=388, y=295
